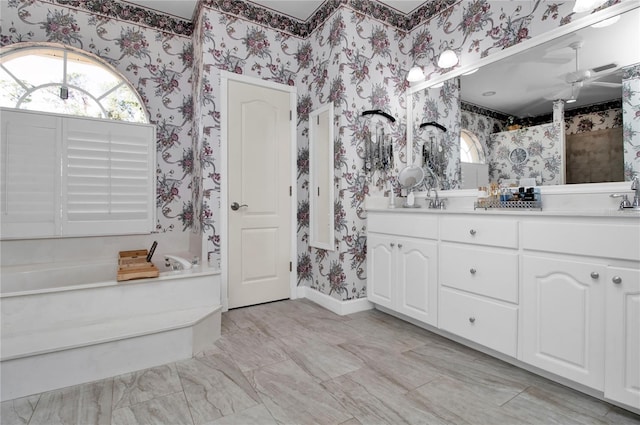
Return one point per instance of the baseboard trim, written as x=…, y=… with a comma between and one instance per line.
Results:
x=333, y=304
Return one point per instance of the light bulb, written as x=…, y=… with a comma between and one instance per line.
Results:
x=447, y=59
x=586, y=5
x=415, y=74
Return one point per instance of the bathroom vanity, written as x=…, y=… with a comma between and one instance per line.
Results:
x=554, y=291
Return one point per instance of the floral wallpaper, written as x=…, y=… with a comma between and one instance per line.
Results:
x=593, y=121
x=631, y=119
x=543, y=159
x=354, y=53
x=157, y=63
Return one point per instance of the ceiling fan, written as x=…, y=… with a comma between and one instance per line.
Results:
x=580, y=78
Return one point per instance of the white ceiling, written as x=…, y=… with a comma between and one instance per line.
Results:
x=300, y=9
x=526, y=84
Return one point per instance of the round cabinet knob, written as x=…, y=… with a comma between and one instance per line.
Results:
x=472, y=319
x=392, y=244
x=617, y=280
x=400, y=245
x=472, y=271
x=472, y=232
x=595, y=275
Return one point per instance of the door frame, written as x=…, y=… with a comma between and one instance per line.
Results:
x=225, y=77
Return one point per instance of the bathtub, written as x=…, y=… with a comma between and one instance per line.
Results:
x=63, y=324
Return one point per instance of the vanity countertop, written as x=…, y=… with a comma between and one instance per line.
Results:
x=516, y=212
x=464, y=205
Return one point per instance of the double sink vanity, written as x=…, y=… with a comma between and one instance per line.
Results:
x=555, y=291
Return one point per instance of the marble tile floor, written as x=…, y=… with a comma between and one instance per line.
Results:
x=293, y=362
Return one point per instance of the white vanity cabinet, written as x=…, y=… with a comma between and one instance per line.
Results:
x=575, y=321
x=558, y=292
x=402, y=264
x=563, y=317
x=479, y=280
x=622, y=340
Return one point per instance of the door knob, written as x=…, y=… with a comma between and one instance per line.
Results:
x=235, y=206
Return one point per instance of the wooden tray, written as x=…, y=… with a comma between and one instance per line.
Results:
x=134, y=265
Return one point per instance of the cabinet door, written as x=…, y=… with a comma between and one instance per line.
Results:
x=381, y=270
x=417, y=279
x=622, y=364
x=563, y=318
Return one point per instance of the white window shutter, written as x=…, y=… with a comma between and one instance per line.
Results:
x=30, y=174
x=108, y=171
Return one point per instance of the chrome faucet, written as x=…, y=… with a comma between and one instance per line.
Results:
x=625, y=204
x=177, y=263
x=437, y=203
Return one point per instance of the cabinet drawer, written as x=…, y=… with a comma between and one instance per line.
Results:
x=403, y=224
x=483, y=271
x=486, y=322
x=621, y=241
x=480, y=231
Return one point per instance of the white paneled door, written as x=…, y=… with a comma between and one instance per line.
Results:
x=259, y=193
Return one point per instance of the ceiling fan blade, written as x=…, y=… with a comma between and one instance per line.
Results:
x=605, y=84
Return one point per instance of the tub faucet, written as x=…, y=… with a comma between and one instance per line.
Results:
x=177, y=263
x=635, y=185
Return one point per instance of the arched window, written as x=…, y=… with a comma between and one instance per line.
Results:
x=470, y=148
x=49, y=77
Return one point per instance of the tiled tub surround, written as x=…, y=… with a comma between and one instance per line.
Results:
x=292, y=362
x=65, y=324
x=553, y=291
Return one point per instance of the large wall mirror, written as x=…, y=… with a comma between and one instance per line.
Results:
x=509, y=104
x=321, y=168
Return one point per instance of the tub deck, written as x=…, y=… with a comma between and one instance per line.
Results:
x=104, y=329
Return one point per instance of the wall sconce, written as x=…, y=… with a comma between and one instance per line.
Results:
x=447, y=59
x=415, y=74
x=586, y=5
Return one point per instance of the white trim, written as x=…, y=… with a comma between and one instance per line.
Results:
x=225, y=76
x=335, y=305
x=313, y=241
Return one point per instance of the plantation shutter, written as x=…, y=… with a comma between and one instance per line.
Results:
x=67, y=176
x=107, y=173
x=29, y=178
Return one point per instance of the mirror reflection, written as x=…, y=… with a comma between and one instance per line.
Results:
x=560, y=112
x=321, y=178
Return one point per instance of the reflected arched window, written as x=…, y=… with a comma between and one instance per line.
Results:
x=49, y=77
x=470, y=148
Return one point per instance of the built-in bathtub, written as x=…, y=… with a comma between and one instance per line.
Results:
x=63, y=324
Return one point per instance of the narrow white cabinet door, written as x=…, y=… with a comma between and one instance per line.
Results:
x=622, y=364
x=417, y=279
x=381, y=270
x=563, y=318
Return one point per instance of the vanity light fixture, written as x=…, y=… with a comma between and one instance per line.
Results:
x=415, y=74
x=606, y=22
x=447, y=59
x=586, y=5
